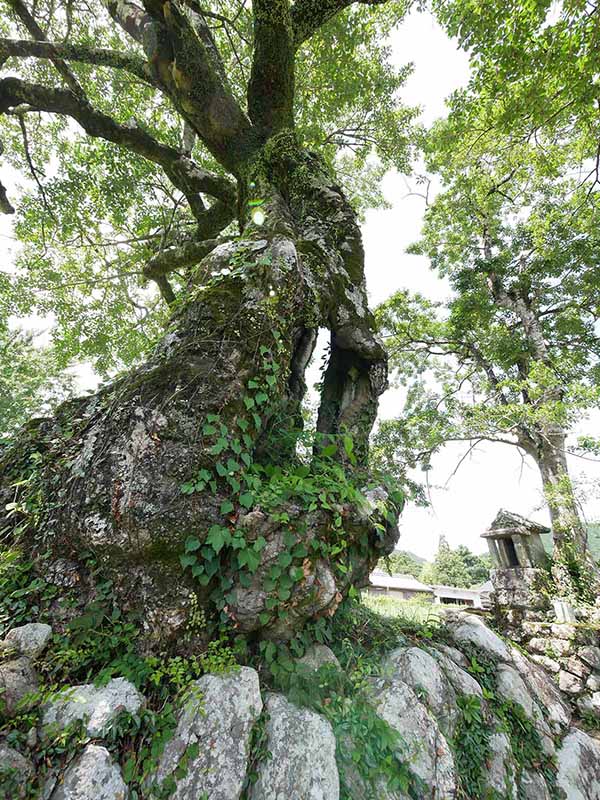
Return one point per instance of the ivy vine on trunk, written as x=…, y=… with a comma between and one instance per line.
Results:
x=182, y=476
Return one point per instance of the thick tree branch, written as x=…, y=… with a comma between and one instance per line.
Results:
x=183, y=172
x=181, y=257
x=271, y=86
x=135, y=22
x=187, y=68
x=310, y=15
x=34, y=29
x=102, y=57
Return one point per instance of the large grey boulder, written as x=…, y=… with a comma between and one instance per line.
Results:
x=501, y=767
x=424, y=675
x=218, y=717
x=30, y=639
x=17, y=679
x=469, y=628
x=317, y=656
x=511, y=686
x=427, y=750
x=92, y=776
x=461, y=681
x=533, y=786
x=302, y=764
x=98, y=705
x=545, y=690
x=589, y=704
x=579, y=766
x=15, y=772
x=453, y=654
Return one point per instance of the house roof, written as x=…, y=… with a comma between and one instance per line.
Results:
x=403, y=582
x=506, y=523
x=456, y=591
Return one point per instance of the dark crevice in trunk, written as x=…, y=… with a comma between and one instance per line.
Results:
x=348, y=402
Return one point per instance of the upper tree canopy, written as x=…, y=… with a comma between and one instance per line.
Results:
x=133, y=124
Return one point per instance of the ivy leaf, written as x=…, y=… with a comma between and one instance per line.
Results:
x=192, y=543
x=248, y=558
x=216, y=538
x=247, y=499
x=219, y=446
x=226, y=507
x=187, y=560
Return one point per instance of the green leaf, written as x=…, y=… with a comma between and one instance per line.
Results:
x=218, y=447
x=226, y=507
x=187, y=560
x=247, y=499
x=192, y=543
x=216, y=537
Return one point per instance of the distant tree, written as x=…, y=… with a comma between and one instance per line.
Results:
x=401, y=562
x=458, y=567
x=31, y=380
x=477, y=566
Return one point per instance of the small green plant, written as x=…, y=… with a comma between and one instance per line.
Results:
x=258, y=753
x=471, y=745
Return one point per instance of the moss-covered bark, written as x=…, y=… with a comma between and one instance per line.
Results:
x=112, y=466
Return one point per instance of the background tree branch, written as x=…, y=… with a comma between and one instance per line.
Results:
x=184, y=173
x=34, y=29
x=310, y=15
x=101, y=56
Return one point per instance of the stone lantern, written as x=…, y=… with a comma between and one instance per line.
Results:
x=518, y=558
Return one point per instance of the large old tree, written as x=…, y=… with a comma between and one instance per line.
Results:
x=207, y=168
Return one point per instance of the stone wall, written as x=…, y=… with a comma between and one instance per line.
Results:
x=562, y=639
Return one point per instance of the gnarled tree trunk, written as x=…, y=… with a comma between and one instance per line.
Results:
x=574, y=571
x=207, y=407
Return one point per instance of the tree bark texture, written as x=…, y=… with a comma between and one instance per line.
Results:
x=112, y=466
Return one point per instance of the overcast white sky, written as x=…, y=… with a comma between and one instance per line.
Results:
x=494, y=476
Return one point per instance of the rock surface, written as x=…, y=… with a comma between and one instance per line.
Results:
x=424, y=675
x=17, y=679
x=471, y=629
x=579, y=766
x=15, y=770
x=218, y=718
x=302, y=765
x=92, y=776
x=31, y=639
x=417, y=691
x=501, y=772
x=97, y=705
x=427, y=750
x=317, y=656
